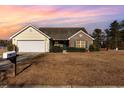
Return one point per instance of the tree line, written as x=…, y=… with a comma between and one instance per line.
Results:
x=110, y=38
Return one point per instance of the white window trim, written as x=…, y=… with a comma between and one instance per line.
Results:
x=80, y=43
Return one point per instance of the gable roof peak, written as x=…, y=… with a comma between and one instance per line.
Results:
x=26, y=27
x=30, y=25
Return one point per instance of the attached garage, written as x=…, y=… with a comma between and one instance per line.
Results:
x=31, y=46
x=31, y=39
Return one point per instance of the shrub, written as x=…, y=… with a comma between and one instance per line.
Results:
x=97, y=49
x=121, y=46
x=56, y=49
x=10, y=47
x=73, y=49
x=93, y=48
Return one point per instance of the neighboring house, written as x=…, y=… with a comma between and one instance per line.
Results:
x=32, y=39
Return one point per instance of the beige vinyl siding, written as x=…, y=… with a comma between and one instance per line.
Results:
x=31, y=34
x=80, y=37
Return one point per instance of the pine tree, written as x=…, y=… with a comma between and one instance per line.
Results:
x=114, y=34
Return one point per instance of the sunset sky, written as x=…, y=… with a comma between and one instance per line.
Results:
x=13, y=18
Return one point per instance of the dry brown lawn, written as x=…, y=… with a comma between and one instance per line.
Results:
x=73, y=69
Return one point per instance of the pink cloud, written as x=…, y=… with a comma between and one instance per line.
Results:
x=12, y=16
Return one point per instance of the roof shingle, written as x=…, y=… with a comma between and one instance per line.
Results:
x=61, y=33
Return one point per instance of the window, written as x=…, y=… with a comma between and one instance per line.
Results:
x=80, y=44
x=58, y=44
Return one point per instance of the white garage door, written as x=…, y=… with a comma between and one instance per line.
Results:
x=31, y=46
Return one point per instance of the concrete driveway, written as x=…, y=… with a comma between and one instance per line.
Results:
x=5, y=64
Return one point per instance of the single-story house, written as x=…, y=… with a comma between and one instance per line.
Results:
x=33, y=39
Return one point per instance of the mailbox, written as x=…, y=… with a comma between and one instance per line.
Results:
x=9, y=55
